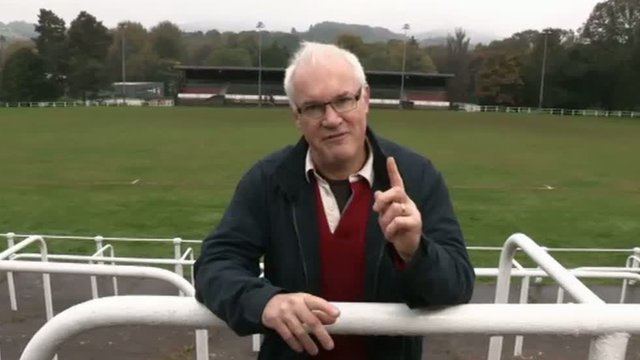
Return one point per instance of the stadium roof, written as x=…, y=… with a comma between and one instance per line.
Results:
x=376, y=79
x=275, y=70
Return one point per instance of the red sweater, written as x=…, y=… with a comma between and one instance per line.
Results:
x=343, y=263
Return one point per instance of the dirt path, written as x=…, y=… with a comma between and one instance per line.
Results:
x=137, y=342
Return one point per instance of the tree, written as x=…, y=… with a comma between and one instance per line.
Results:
x=352, y=43
x=200, y=45
x=53, y=47
x=613, y=21
x=275, y=55
x=166, y=41
x=140, y=60
x=613, y=34
x=457, y=63
x=25, y=79
x=499, y=79
x=14, y=47
x=89, y=43
x=417, y=58
x=378, y=57
x=88, y=38
x=230, y=57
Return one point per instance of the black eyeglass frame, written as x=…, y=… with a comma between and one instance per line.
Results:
x=356, y=97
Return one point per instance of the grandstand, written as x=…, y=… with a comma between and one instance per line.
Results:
x=209, y=85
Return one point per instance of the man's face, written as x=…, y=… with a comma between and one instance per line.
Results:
x=336, y=139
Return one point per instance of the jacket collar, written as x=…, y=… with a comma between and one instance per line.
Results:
x=290, y=172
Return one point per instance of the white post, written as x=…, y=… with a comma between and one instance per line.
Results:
x=202, y=344
x=256, y=342
x=632, y=262
x=560, y=296
x=635, y=263
x=177, y=254
x=524, y=298
x=10, y=283
x=94, y=283
x=609, y=347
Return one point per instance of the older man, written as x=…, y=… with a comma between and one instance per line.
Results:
x=341, y=216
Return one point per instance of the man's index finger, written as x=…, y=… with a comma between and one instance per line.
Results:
x=394, y=174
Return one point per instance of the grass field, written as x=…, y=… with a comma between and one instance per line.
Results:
x=74, y=171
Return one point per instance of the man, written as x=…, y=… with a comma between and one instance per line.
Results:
x=341, y=216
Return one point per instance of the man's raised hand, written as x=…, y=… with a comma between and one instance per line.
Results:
x=398, y=216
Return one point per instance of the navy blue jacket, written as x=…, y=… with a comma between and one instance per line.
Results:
x=273, y=215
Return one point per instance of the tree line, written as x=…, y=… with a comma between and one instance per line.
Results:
x=597, y=66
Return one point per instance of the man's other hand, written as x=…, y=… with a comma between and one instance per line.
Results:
x=296, y=316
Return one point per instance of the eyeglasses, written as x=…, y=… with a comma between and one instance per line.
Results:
x=341, y=105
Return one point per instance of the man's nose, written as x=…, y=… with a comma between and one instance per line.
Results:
x=331, y=117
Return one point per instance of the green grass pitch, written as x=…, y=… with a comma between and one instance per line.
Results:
x=165, y=172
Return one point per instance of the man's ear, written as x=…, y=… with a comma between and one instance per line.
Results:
x=366, y=94
x=296, y=120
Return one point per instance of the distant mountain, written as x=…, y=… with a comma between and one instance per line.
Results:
x=439, y=37
x=18, y=30
x=329, y=31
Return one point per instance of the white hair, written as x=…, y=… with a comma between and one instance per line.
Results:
x=312, y=52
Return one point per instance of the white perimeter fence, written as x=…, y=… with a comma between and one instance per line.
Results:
x=609, y=324
x=88, y=103
x=394, y=103
x=548, y=111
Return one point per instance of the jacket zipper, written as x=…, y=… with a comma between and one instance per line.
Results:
x=304, y=263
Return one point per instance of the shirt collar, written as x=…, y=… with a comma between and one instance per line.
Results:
x=365, y=172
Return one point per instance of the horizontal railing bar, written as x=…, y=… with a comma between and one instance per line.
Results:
x=193, y=241
x=95, y=269
x=129, y=260
x=355, y=318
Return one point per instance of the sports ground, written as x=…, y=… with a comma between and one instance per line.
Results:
x=166, y=172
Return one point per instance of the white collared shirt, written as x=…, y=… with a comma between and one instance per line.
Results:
x=329, y=203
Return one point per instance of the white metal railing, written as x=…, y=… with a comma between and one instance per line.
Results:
x=179, y=260
x=607, y=346
x=94, y=282
x=549, y=111
x=47, y=268
x=627, y=273
x=355, y=318
x=99, y=238
x=46, y=281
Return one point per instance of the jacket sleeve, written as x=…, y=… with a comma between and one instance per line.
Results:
x=440, y=272
x=227, y=271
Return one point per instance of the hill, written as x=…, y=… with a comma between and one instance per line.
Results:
x=17, y=30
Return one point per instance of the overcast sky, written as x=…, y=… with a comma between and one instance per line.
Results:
x=495, y=17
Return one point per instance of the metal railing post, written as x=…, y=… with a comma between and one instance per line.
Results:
x=524, y=298
x=636, y=261
x=177, y=254
x=10, y=284
x=94, y=282
x=631, y=264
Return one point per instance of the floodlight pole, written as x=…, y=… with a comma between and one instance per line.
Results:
x=406, y=28
x=124, y=69
x=544, y=68
x=260, y=26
